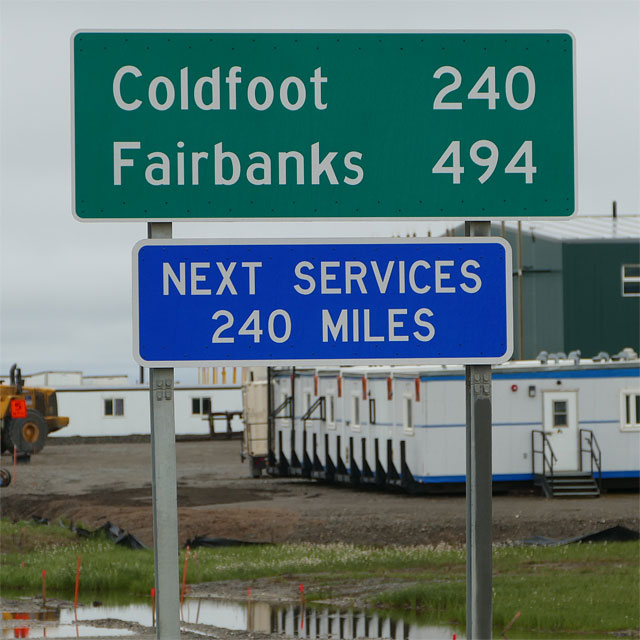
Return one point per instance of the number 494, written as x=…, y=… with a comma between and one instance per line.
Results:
x=484, y=153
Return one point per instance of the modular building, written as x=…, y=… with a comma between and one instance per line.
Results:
x=571, y=425
x=576, y=284
x=112, y=406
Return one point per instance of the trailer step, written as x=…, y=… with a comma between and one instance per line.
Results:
x=565, y=487
x=572, y=474
x=574, y=494
x=568, y=484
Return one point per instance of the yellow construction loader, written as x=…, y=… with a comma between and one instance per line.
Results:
x=27, y=415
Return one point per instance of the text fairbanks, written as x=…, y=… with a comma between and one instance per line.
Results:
x=222, y=166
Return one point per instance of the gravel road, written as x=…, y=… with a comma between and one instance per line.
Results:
x=111, y=481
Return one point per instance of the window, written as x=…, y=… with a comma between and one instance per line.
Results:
x=560, y=415
x=355, y=411
x=114, y=406
x=630, y=280
x=372, y=410
x=630, y=410
x=200, y=406
x=285, y=413
x=408, y=414
x=331, y=412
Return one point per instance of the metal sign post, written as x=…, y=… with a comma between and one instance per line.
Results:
x=479, y=498
x=164, y=488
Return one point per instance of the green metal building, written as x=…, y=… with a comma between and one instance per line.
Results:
x=576, y=284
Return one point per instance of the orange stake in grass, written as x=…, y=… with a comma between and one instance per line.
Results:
x=75, y=599
x=184, y=576
x=153, y=605
x=44, y=587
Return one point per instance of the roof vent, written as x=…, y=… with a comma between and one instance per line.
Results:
x=626, y=354
x=575, y=356
x=543, y=356
x=603, y=356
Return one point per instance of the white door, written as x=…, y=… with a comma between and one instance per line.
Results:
x=561, y=427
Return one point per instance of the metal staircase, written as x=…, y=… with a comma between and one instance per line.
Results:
x=568, y=484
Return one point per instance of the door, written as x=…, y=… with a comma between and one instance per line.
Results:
x=561, y=427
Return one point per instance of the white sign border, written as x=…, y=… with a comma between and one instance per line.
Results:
x=320, y=361
x=425, y=218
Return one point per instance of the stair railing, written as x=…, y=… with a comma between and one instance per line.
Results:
x=317, y=407
x=283, y=408
x=547, y=460
x=595, y=454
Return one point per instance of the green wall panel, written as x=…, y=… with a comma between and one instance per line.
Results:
x=596, y=315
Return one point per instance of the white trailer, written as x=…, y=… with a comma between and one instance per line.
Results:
x=570, y=425
x=255, y=407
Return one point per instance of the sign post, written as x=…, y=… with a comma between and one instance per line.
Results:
x=479, y=487
x=164, y=487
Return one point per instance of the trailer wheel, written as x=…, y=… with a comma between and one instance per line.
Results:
x=28, y=434
x=5, y=478
x=254, y=468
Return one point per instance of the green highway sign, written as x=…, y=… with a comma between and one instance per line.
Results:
x=228, y=126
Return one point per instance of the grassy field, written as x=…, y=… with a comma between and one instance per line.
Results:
x=586, y=588
x=592, y=588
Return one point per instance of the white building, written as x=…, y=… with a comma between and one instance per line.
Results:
x=112, y=406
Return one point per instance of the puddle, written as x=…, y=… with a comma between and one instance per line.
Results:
x=65, y=631
x=53, y=623
x=293, y=621
x=296, y=621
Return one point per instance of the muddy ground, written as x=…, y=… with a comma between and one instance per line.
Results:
x=95, y=482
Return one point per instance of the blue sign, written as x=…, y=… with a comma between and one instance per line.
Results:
x=304, y=302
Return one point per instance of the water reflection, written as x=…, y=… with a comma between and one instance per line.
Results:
x=293, y=621
x=52, y=623
x=299, y=621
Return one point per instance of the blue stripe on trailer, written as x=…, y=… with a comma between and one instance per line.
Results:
x=573, y=373
x=439, y=426
x=525, y=375
x=631, y=473
x=498, y=477
x=495, y=424
x=517, y=424
x=517, y=477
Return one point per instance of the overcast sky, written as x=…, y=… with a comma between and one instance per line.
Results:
x=65, y=297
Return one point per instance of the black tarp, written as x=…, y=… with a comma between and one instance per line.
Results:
x=206, y=541
x=617, y=533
